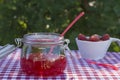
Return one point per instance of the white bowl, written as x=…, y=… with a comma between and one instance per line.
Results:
x=93, y=50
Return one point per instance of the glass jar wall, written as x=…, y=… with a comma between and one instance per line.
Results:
x=43, y=54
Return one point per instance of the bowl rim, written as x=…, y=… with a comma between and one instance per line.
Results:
x=93, y=41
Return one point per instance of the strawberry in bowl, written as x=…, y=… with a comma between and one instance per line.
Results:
x=94, y=37
x=94, y=46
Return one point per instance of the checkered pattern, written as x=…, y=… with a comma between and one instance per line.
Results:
x=77, y=68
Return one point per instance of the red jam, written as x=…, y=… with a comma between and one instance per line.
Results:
x=37, y=64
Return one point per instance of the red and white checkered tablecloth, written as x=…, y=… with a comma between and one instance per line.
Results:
x=77, y=68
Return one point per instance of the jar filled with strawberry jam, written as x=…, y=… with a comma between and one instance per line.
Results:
x=43, y=54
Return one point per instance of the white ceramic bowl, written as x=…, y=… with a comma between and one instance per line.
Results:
x=93, y=50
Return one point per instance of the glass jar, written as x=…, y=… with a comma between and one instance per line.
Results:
x=43, y=54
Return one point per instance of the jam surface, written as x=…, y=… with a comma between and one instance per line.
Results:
x=40, y=65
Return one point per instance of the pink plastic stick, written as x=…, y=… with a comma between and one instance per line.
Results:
x=68, y=27
x=73, y=22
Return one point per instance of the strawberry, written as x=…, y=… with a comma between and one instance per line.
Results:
x=105, y=37
x=82, y=37
x=94, y=38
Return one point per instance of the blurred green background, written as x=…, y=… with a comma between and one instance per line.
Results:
x=19, y=17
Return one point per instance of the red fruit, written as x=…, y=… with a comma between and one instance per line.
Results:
x=36, y=56
x=82, y=37
x=105, y=37
x=94, y=38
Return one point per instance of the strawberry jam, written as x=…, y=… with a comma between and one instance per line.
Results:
x=40, y=65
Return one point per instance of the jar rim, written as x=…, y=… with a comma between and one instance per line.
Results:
x=43, y=38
